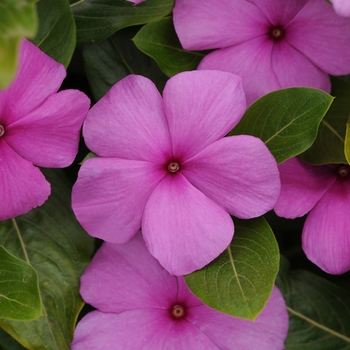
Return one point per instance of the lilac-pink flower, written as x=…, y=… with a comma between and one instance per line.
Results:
x=136, y=1
x=271, y=44
x=141, y=306
x=38, y=128
x=342, y=7
x=165, y=164
x=324, y=192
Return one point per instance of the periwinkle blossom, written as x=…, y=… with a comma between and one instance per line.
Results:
x=136, y=1
x=38, y=128
x=271, y=44
x=341, y=7
x=165, y=164
x=323, y=192
x=141, y=306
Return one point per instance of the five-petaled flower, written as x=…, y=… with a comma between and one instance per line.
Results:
x=141, y=306
x=38, y=127
x=164, y=164
x=271, y=44
x=324, y=191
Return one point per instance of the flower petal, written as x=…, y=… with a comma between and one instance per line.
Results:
x=250, y=60
x=201, y=107
x=183, y=229
x=134, y=329
x=322, y=36
x=109, y=196
x=300, y=72
x=129, y=122
x=23, y=186
x=239, y=173
x=268, y=331
x=216, y=23
x=302, y=186
x=124, y=277
x=341, y=7
x=326, y=232
x=49, y=136
x=280, y=13
x=38, y=77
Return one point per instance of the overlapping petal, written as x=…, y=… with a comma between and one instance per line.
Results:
x=183, y=229
x=250, y=60
x=268, y=331
x=134, y=329
x=326, y=232
x=216, y=23
x=288, y=63
x=209, y=102
x=239, y=173
x=23, y=186
x=38, y=77
x=279, y=13
x=49, y=136
x=341, y=7
x=129, y=122
x=109, y=196
x=124, y=277
x=302, y=186
x=322, y=36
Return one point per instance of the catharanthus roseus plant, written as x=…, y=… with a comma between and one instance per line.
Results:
x=38, y=128
x=164, y=164
x=324, y=191
x=141, y=306
x=271, y=44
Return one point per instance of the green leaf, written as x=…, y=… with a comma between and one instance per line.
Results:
x=347, y=141
x=8, y=343
x=329, y=145
x=239, y=282
x=19, y=292
x=17, y=20
x=56, y=34
x=96, y=20
x=158, y=40
x=55, y=245
x=319, y=311
x=111, y=60
x=286, y=120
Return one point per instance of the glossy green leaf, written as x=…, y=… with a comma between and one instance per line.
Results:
x=8, y=343
x=18, y=19
x=96, y=20
x=319, y=311
x=53, y=242
x=19, y=292
x=158, y=40
x=329, y=144
x=111, y=60
x=239, y=282
x=56, y=34
x=347, y=141
x=286, y=120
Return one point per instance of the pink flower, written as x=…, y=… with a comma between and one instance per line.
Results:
x=38, y=128
x=324, y=191
x=271, y=44
x=164, y=164
x=141, y=306
x=136, y=1
x=342, y=7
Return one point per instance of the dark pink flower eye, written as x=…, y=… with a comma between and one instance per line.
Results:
x=173, y=167
x=2, y=130
x=178, y=311
x=343, y=171
x=277, y=33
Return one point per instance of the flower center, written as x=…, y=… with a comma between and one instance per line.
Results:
x=2, y=130
x=173, y=167
x=277, y=33
x=178, y=311
x=343, y=171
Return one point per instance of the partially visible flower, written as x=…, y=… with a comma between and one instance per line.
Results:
x=38, y=128
x=136, y=1
x=165, y=163
x=271, y=44
x=342, y=7
x=141, y=306
x=324, y=191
